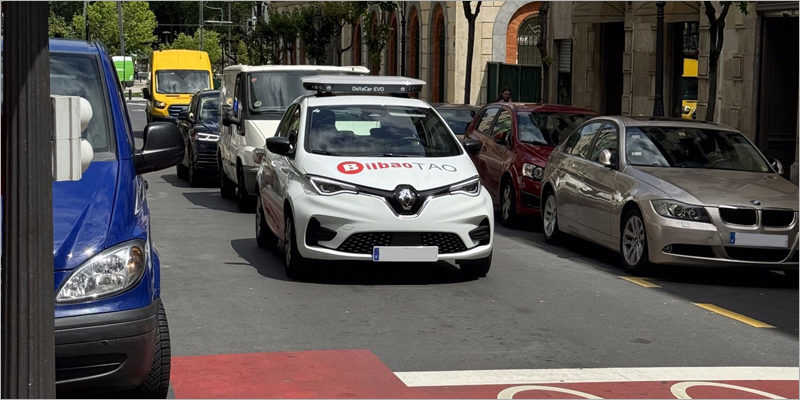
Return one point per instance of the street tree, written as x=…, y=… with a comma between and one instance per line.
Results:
x=544, y=9
x=138, y=23
x=316, y=32
x=471, y=17
x=376, y=36
x=716, y=29
x=341, y=14
x=59, y=28
x=210, y=44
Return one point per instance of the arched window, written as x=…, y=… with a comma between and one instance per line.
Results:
x=438, y=56
x=528, y=41
x=391, y=56
x=413, y=44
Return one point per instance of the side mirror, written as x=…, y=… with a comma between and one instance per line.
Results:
x=606, y=158
x=777, y=165
x=279, y=145
x=163, y=148
x=258, y=155
x=229, y=120
x=146, y=93
x=472, y=146
x=184, y=116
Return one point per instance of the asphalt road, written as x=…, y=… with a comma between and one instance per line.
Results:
x=540, y=306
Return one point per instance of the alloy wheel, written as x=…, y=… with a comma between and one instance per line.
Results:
x=550, y=213
x=506, y=208
x=633, y=240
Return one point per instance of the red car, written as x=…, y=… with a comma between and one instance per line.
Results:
x=517, y=140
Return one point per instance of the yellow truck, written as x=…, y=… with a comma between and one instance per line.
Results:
x=175, y=75
x=689, y=89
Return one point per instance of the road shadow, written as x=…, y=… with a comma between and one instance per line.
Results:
x=269, y=263
x=212, y=200
x=173, y=180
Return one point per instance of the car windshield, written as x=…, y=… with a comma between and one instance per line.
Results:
x=547, y=128
x=79, y=75
x=209, y=109
x=458, y=119
x=181, y=81
x=691, y=148
x=274, y=91
x=378, y=131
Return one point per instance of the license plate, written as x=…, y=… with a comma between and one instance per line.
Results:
x=759, y=240
x=405, y=254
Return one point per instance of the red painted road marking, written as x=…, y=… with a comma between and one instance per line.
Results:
x=360, y=374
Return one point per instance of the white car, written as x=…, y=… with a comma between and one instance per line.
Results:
x=252, y=101
x=355, y=175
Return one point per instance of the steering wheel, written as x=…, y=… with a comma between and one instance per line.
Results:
x=405, y=139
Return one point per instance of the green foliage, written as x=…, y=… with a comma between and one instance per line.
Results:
x=376, y=36
x=316, y=31
x=210, y=44
x=138, y=23
x=59, y=28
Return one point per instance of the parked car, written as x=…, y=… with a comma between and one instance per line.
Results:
x=252, y=102
x=200, y=128
x=362, y=177
x=111, y=330
x=457, y=116
x=517, y=139
x=670, y=191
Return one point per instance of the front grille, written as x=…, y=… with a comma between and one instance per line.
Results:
x=175, y=110
x=738, y=216
x=207, y=159
x=763, y=255
x=777, y=218
x=362, y=243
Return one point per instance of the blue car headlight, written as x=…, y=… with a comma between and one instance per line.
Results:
x=107, y=273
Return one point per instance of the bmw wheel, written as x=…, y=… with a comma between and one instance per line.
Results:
x=633, y=243
x=550, y=218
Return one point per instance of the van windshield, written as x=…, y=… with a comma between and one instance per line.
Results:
x=79, y=75
x=181, y=81
x=274, y=91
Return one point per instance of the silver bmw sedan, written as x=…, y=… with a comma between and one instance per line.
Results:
x=669, y=191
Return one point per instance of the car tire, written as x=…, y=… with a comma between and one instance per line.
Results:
x=552, y=234
x=295, y=263
x=246, y=202
x=508, y=205
x=264, y=236
x=156, y=385
x=183, y=171
x=633, y=243
x=476, y=268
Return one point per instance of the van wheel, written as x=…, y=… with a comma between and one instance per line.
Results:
x=476, y=268
x=183, y=172
x=245, y=200
x=156, y=385
x=295, y=263
x=633, y=244
x=264, y=236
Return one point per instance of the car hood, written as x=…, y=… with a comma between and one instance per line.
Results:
x=387, y=173
x=82, y=214
x=719, y=187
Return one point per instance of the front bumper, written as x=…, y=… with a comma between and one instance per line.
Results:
x=447, y=220
x=106, y=352
x=528, y=197
x=706, y=244
x=205, y=155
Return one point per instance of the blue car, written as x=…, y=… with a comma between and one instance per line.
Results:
x=199, y=126
x=111, y=328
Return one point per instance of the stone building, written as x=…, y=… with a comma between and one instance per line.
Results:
x=601, y=55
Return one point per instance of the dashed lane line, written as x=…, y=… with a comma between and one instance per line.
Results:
x=736, y=316
x=640, y=281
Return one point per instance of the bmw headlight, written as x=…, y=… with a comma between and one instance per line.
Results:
x=678, y=210
x=112, y=271
x=471, y=187
x=532, y=171
x=330, y=187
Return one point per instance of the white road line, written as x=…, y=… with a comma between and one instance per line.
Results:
x=588, y=375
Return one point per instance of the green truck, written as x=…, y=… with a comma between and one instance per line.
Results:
x=125, y=69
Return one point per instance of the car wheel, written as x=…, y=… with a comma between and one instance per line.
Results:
x=295, y=263
x=156, y=385
x=245, y=200
x=633, y=243
x=550, y=219
x=508, y=204
x=183, y=172
x=194, y=175
x=476, y=268
x=226, y=186
x=264, y=236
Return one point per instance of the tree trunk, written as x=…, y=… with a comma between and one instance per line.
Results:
x=712, y=89
x=716, y=29
x=470, y=46
x=543, y=10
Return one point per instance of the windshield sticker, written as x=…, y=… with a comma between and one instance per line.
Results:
x=353, y=167
x=257, y=104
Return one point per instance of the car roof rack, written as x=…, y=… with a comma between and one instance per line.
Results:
x=327, y=85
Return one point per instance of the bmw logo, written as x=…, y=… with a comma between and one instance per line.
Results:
x=755, y=202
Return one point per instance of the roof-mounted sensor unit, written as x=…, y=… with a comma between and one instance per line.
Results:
x=370, y=85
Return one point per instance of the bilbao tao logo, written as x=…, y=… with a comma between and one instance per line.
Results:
x=350, y=167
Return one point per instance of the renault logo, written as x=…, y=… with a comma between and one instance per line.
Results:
x=755, y=202
x=406, y=197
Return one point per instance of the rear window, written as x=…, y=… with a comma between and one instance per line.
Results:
x=79, y=75
x=458, y=119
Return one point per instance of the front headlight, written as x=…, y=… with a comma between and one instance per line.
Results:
x=678, y=210
x=686, y=109
x=471, y=187
x=160, y=104
x=330, y=187
x=532, y=171
x=110, y=272
x=205, y=137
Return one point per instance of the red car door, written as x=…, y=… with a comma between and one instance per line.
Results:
x=482, y=130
